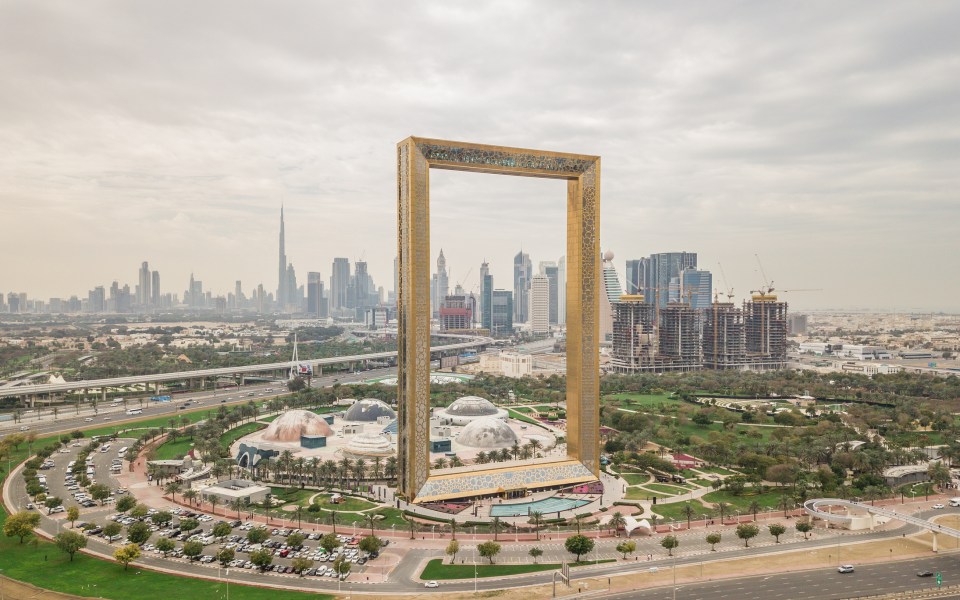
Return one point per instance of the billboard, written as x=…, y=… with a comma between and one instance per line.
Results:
x=305, y=369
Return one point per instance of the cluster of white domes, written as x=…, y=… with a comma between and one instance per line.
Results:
x=369, y=410
x=292, y=424
x=487, y=432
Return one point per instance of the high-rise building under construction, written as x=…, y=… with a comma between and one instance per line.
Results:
x=765, y=331
x=723, y=339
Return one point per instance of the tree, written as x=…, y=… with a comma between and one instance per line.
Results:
x=127, y=554
x=138, y=532
x=670, y=542
x=139, y=511
x=161, y=518
x=341, y=566
x=165, y=545
x=222, y=529
x=452, y=548
x=257, y=535
x=579, y=545
x=126, y=503
x=536, y=553
x=295, y=540
x=754, y=508
x=190, y=524
x=21, y=524
x=101, y=492
x=804, y=527
x=626, y=547
x=51, y=503
x=453, y=529
x=190, y=495
x=776, y=530
x=333, y=518
x=371, y=520
x=371, y=543
x=112, y=529
x=301, y=564
x=225, y=555
x=535, y=517
x=70, y=542
x=261, y=558
x=192, y=550
x=489, y=550
x=329, y=543
x=173, y=488
x=713, y=539
x=617, y=522
x=73, y=513
x=746, y=531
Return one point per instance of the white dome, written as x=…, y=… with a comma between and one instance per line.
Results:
x=369, y=409
x=471, y=406
x=487, y=432
x=608, y=256
x=369, y=444
x=292, y=424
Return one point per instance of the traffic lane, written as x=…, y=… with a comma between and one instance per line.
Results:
x=820, y=584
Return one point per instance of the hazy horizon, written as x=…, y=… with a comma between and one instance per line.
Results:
x=821, y=137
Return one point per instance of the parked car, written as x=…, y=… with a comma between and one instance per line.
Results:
x=434, y=584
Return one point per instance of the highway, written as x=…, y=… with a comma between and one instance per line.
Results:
x=109, y=414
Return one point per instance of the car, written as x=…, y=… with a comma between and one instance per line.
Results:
x=845, y=569
x=924, y=573
x=938, y=506
x=88, y=419
x=434, y=584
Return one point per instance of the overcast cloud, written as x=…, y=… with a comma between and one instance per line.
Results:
x=823, y=136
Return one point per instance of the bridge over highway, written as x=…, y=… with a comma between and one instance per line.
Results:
x=816, y=508
x=157, y=378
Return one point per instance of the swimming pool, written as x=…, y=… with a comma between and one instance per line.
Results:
x=545, y=506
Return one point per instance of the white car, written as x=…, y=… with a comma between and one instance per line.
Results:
x=938, y=506
x=845, y=569
x=88, y=419
x=431, y=584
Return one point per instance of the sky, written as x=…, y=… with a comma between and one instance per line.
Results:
x=820, y=137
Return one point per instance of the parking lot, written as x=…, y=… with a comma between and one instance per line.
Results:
x=72, y=474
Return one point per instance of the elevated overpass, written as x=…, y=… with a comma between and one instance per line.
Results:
x=815, y=508
x=32, y=391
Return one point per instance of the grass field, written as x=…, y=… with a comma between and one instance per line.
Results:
x=636, y=493
x=715, y=470
x=664, y=488
x=347, y=503
x=675, y=510
x=742, y=502
x=636, y=478
x=42, y=564
x=647, y=402
x=521, y=417
x=229, y=437
x=176, y=449
x=438, y=570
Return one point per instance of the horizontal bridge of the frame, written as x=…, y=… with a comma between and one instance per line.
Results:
x=502, y=160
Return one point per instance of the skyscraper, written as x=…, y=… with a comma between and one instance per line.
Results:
x=635, y=275
x=540, y=304
x=522, y=272
x=610, y=294
x=723, y=337
x=316, y=305
x=562, y=290
x=765, y=331
x=144, y=296
x=439, y=285
x=501, y=316
x=551, y=271
x=651, y=276
x=155, y=288
x=692, y=287
x=339, y=283
x=282, y=286
x=485, y=295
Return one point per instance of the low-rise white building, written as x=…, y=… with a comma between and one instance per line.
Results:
x=227, y=492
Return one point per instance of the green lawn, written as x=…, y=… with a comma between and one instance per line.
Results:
x=715, y=470
x=637, y=493
x=347, y=503
x=524, y=409
x=675, y=510
x=42, y=564
x=522, y=417
x=437, y=570
x=647, y=402
x=176, y=449
x=636, y=478
x=229, y=437
x=769, y=499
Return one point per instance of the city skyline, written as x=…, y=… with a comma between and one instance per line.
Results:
x=725, y=131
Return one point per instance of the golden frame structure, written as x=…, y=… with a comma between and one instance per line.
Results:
x=415, y=158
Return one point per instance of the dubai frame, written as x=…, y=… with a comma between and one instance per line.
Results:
x=415, y=158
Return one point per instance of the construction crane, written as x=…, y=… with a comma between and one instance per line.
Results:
x=726, y=284
x=768, y=284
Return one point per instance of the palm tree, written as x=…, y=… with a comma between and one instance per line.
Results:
x=377, y=467
x=724, y=508
x=299, y=510
x=754, y=508
x=237, y=505
x=453, y=529
x=440, y=463
x=359, y=470
x=496, y=527
x=172, y=488
x=536, y=516
x=481, y=458
x=333, y=517
x=515, y=450
x=616, y=522
x=267, y=504
x=391, y=469
x=413, y=527
x=189, y=496
x=214, y=500
x=371, y=521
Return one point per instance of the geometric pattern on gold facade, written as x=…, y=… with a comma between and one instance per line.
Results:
x=415, y=158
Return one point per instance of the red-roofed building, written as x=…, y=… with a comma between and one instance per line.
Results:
x=685, y=461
